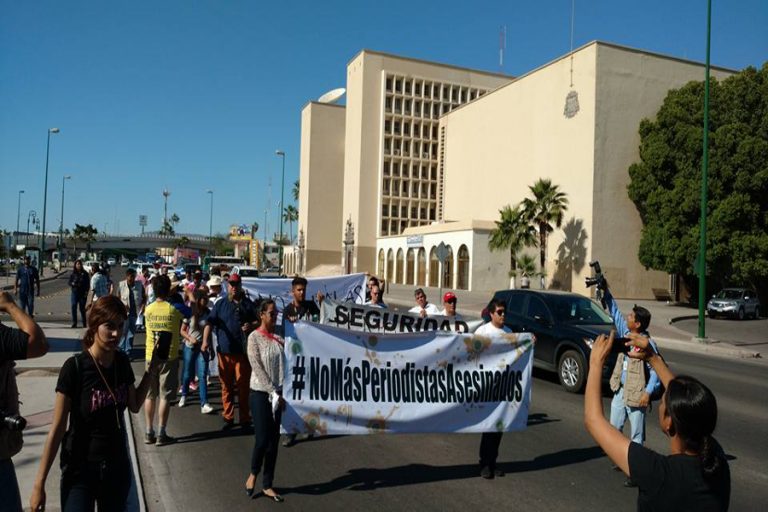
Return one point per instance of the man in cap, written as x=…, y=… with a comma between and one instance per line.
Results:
x=449, y=306
x=214, y=295
x=233, y=320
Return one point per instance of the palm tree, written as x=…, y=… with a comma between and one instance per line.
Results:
x=175, y=220
x=86, y=234
x=527, y=265
x=514, y=232
x=295, y=191
x=290, y=215
x=547, y=206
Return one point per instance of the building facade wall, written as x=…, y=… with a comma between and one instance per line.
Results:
x=321, y=178
x=498, y=146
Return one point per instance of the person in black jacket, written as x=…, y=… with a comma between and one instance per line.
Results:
x=695, y=476
x=79, y=284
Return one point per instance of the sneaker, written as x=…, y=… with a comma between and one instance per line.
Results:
x=149, y=438
x=182, y=401
x=164, y=439
x=228, y=424
x=206, y=409
x=486, y=473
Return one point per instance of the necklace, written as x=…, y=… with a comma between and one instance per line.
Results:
x=109, y=388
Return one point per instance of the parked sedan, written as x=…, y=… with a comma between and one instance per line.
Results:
x=735, y=303
x=564, y=324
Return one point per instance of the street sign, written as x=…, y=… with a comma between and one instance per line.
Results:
x=442, y=252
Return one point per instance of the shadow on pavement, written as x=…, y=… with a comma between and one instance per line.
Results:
x=365, y=479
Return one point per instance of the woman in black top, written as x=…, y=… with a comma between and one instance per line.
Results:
x=93, y=390
x=695, y=476
x=79, y=283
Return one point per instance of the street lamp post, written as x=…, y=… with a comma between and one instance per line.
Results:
x=61, y=224
x=281, y=153
x=301, y=251
x=33, y=216
x=166, y=193
x=349, y=241
x=18, y=218
x=45, y=200
x=210, y=225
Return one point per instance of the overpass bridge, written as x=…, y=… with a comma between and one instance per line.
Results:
x=133, y=243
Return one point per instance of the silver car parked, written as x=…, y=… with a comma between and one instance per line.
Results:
x=734, y=302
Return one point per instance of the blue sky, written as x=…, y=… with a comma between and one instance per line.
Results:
x=198, y=95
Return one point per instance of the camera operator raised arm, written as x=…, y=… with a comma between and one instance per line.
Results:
x=27, y=341
x=633, y=381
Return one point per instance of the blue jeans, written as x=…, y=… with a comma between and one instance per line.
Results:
x=27, y=300
x=9, y=486
x=129, y=330
x=77, y=301
x=619, y=413
x=195, y=362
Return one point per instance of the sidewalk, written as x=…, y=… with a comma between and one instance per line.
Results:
x=664, y=332
x=37, y=383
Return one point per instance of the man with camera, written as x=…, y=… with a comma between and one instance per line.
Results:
x=633, y=381
x=27, y=341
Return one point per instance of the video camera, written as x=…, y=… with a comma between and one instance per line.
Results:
x=598, y=281
x=12, y=422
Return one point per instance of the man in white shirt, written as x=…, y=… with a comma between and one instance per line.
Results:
x=449, y=306
x=422, y=307
x=490, y=441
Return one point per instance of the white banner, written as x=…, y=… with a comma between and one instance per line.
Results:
x=357, y=317
x=342, y=288
x=344, y=382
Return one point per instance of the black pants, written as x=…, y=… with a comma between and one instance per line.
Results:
x=77, y=301
x=489, y=449
x=103, y=483
x=266, y=433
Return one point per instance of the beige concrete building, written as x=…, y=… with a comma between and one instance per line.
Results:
x=432, y=153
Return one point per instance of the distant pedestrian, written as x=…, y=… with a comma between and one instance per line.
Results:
x=265, y=353
x=195, y=354
x=233, y=319
x=131, y=294
x=422, y=307
x=27, y=278
x=79, y=284
x=214, y=295
x=94, y=389
x=99, y=285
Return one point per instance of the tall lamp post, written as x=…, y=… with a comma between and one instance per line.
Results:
x=210, y=224
x=32, y=215
x=704, y=165
x=166, y=193
x=45, y=199
x=281, y=153
x=18, y=218
x=301, y=251
x=61, y=224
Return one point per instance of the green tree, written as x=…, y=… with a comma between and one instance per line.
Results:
x=295, y=190
x=546, y=207
x=513, y=232
x=290, y=215
x=665, y=184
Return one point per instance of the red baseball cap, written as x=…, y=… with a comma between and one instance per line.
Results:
x=234, y=279
x=449, y=297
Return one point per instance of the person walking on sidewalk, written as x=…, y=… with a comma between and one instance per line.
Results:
x=195, y=358
x=265, y=352
x=233, y=319
x=27, y=278
x=163, y=324
x=79, y=283
x=93, y=391
x=131, y=293
x=25, y=342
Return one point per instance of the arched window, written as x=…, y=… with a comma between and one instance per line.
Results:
x=434, y=268
x=421, y=268
x=400, y=266
x=380, y=268
x=448, y=269
x=390, y=265
x=463, y=274
x=409, y=264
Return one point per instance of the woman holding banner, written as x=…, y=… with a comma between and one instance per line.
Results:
x=695, y=476
x=265, y=353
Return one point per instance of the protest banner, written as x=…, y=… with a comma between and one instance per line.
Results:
x=339, y=381
x=349, y=288
x=357, y=317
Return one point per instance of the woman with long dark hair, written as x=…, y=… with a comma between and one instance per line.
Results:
x=195, y=359
x=79, y=284
x=94, y=389
x=265, y=353
x=695, y=475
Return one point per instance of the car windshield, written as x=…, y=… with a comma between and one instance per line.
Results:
x=729, y=294
x=578, y=310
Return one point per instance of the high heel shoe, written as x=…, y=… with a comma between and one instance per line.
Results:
x=249, y=491
x=275, y=497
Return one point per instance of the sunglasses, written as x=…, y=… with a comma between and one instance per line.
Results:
x=500, y=312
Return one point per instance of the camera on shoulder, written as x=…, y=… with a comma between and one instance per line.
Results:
x=12, y=422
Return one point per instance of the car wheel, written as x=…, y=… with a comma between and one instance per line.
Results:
x=571, y=370
x=740, y=314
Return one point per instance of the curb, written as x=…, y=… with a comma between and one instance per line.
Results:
x=43, y=280
x=684, y=317
x=713, y=347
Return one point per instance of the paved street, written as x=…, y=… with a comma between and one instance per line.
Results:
x=553, y=465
